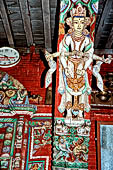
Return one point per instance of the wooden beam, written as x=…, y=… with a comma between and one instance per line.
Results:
x=40, y=47
x=105, y=13
x=110, y=40
x=26, y=50
x=103, y=51
x=26, y=20
x=6, y=23
x=47, y=27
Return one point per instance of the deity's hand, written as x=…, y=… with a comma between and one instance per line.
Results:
x=86, y=55
x=49, y=57
x=80, y=72
x=80, y=53
x=108, y=60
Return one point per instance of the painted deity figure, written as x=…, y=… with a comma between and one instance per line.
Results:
x=75, y=58
x=73, y=80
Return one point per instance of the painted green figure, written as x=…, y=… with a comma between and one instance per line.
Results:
x=63, y=150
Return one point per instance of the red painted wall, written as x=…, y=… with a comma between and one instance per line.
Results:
x=28, y=72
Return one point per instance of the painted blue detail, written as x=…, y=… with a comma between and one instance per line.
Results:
x=61, y=110
x=78, y=17
x=61, y=91
x=87, y=110
x=95, y=10
x=27, y=100
x=75, y=112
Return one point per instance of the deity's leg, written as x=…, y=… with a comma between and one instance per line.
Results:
x=81, y=105
x=87, y=105
x=60, y=154
x=69, y=104
x=87, y=82
x=61, y=87
x=61, y=107
x=83, y=100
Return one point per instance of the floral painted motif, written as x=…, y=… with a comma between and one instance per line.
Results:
x=11, y=90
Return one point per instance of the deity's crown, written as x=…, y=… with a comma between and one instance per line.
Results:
x=78, y=11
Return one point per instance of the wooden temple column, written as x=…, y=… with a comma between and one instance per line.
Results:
x=73, y=80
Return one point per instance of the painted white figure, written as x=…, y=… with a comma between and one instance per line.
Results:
x=73, y=80
x=75, y=57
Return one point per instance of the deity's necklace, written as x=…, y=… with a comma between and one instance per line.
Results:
x=75, y=38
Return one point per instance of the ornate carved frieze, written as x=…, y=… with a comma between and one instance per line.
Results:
x=71, y=144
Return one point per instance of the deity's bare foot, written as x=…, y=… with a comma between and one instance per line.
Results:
x=80, y=115
x=69, y=114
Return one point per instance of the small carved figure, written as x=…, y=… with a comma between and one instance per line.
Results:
x=84, y=130
x=80, y=150
x=63, y=150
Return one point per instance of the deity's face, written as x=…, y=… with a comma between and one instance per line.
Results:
x=78, y=23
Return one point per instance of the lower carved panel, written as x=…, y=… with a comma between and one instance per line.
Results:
x=71, y=143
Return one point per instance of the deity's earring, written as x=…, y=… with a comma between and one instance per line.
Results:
x=85, y=24
x=69, y=22
x=87, y=21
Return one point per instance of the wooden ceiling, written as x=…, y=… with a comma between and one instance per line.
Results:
x=104, y=27
x=27, y=22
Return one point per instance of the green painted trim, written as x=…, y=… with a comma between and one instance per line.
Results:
x=41, y=118
x=17, y=108
x=5, y=158
x=63, y=14
x=70, y=165
x=28, y=148
x=60, y=118
x=10, y=165
x=66, y=46
x=88, y=47
x=14, y=134
x=8, y=120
